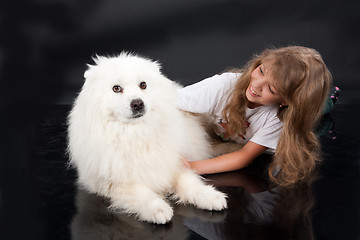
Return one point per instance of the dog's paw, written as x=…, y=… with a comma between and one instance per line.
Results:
x=210, y=199
x=158, y=211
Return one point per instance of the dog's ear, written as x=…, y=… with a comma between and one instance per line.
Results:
x=91, y=68
x=156, y=64
x=88, y=72
x=97, y=59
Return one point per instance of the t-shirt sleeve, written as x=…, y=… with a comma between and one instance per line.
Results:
x=203, y=96
x=269, y=134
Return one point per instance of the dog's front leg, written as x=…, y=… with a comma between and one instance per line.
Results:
x=143, y=202
x=191, y=189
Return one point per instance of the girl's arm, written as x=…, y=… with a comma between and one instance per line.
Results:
x=229, y=162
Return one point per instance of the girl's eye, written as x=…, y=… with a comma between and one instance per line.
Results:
x=143, y=85
x=271, y=90
x=261, y=71
x=117, y=89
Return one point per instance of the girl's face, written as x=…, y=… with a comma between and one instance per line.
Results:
x=261, y=90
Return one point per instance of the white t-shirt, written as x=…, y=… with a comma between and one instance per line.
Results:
x=211, y=95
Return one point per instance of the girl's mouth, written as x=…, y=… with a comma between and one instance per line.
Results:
x=252, y=91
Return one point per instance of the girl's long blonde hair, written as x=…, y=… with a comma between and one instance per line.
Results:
x=302, y=80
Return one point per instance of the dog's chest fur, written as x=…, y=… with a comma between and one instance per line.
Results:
x=143, y=154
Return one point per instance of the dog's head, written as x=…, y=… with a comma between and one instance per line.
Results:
x=126, y=87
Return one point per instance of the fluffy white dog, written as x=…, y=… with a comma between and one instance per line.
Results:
x=127, y=138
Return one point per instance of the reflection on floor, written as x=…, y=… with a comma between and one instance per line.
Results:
x=325, y=209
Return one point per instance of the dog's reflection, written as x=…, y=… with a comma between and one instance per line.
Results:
x=94, y=220
x=255, y=211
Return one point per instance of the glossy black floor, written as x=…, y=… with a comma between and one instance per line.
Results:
x=326, y=209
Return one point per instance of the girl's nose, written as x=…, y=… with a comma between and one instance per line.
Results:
x=257, y=88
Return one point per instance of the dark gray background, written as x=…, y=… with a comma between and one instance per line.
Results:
x=45, y=45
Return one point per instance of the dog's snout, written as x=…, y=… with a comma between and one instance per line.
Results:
x=137, y=105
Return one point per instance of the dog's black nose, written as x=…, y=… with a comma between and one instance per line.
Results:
x=137, y=105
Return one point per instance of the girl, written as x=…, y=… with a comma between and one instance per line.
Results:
x=271, y=106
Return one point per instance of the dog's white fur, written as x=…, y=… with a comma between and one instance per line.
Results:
x=136, y=160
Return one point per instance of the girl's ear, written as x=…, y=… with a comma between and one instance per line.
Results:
x=283, y=105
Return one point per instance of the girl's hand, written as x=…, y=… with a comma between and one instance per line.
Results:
x=185, y=162
x=225, y=134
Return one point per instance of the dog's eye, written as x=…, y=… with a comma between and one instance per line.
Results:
x=143, y=85
x=117, y=89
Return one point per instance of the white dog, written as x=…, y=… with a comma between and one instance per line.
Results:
x=127, y=138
